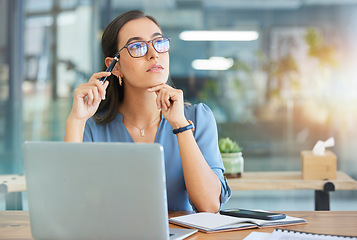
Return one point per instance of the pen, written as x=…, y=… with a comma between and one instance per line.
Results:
x=110, y=67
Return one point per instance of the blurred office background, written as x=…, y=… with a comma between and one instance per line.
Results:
x=293, y=83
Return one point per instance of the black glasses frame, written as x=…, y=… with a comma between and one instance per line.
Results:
x=147, y=46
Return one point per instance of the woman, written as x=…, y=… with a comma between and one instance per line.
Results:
x=136, y=105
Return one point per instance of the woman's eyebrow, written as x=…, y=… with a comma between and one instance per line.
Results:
x=133, y=39
x=156, y=34
x=139, y=38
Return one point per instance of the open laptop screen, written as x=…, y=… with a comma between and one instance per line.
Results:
x=96, y=190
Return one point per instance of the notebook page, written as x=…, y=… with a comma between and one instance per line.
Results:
x=206, y=220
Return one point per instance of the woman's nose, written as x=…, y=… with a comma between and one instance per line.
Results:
x=152, y=53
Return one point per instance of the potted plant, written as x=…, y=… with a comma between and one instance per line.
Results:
x=232, y=158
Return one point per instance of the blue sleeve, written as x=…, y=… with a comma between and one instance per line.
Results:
x=88, y=131
x=207, y=140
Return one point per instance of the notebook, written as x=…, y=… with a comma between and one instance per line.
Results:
x=212, y=222
x=281, y=234
x=97, y=191
x=284, y=234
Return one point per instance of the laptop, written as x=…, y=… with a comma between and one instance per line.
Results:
x=97, y=191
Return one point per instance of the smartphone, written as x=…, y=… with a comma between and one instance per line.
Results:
x=245, y=213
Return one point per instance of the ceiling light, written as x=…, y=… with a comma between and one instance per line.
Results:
x=213, y=63
x=219, y=35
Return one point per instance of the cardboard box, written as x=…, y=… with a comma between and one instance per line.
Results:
x=318, y=167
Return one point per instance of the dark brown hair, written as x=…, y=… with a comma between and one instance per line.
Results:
x=108, y=109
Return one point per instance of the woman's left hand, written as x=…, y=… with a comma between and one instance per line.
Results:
x=170, y=101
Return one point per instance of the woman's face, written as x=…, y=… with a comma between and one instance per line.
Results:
x=149, y=70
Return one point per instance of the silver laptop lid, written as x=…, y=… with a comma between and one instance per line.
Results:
x=96, y=190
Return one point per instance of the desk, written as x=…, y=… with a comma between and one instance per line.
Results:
x=12, y=186
x=293, y=181
x=16, y=225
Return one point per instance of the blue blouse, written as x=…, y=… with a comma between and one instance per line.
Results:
x=206, y=137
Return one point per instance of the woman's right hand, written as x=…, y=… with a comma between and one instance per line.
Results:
x=87, y=97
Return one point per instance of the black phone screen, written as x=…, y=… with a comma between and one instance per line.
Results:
x=256, y=213
x=253, y=214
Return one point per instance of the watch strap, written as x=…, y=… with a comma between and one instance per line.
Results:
x=188, y=127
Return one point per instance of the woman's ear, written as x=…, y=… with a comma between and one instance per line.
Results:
x=116, y=71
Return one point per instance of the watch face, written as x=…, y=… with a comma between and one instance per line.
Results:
x=193, y=125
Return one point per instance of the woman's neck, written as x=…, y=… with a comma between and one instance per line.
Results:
x=139, y=107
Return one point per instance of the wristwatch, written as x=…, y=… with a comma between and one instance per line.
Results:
x=188, y=127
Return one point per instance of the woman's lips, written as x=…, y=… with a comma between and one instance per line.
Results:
x=155, y=68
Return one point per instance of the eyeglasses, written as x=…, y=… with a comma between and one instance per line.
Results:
x=140, y=48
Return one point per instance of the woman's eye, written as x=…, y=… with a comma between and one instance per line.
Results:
x=136, y=46
x=159, y=41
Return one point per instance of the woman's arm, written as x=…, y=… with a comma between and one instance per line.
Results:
x=202, y=184
x=86, y=101
x=74, y=130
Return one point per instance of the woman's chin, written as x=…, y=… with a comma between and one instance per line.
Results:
x=158, y=82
